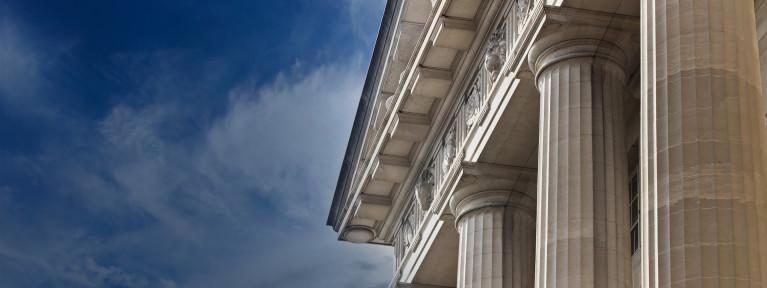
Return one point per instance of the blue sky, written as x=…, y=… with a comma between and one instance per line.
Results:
x=179, y=143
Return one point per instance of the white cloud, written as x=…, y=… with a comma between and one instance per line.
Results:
x=85, y=272
x=365, y=15
x=286, y=138
x=279, y=144
x=22, y=67
x=282, y=141
x=18, y=67
x=240, y=203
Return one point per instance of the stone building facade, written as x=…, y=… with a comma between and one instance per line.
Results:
x=563, y=143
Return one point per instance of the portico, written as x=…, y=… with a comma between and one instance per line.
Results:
x=497, y=142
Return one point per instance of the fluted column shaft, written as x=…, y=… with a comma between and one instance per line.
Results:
x=760, y=9
x=703, y=149
x=583, y=229
x=496, y=239
x=480, y=253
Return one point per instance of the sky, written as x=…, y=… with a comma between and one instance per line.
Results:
x=180, y=143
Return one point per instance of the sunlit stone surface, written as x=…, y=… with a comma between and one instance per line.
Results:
x=563, y=143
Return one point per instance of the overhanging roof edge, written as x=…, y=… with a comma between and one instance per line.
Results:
x=357, y=133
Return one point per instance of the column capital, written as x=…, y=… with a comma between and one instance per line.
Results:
x=544, y=54
x=570, y=33
x=478, y=192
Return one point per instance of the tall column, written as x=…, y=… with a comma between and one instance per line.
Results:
x=704, y=146
x=583, y=227
x=760, y=9
x=497, y=230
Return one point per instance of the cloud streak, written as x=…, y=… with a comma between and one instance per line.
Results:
x=239, y=201
x=23, y=67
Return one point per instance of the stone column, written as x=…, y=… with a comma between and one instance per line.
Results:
x=760, y=9
x=583, y=229
x=497, y=230
x=703, y=152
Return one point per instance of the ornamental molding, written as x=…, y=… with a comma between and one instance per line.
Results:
x=472, y=111
x=408, y=229
x=424, y=188
x=395, y=280
x=523, y=12
x=495, y=54
x=448, y=151
x=461, y=110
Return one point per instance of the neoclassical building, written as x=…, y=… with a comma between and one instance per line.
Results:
x=563, y=143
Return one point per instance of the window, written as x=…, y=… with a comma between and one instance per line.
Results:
x=634, y=207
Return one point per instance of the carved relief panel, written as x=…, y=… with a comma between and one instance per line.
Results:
x=473, y=104
x=424, y=187
x=495, y=53
x=449, y=149
x=408, y=229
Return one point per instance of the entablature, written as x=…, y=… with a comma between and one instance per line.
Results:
x=441, y=115
x=433, y=117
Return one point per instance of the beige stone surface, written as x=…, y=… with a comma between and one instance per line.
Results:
x=455, y=33
x=703, y=148
x=440, y=264
x=560, y=109
x=410, y=127
x=582, y=182
x=463, y=8
x=760, y=7
x=481, y=249
x=439, y=57
x=497, y=237
x=432, y=83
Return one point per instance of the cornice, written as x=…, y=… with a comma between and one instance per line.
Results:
x=443, y=118
x=446, y=87
x=351, y=155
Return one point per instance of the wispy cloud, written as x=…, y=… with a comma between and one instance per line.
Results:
x=243, y=203
x=184, y=180
x=282, y=138
x=364, y=20
x=18, y=67
x=23, y=67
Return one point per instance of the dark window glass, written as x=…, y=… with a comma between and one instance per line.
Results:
x=634, y=208
x=634, y=214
